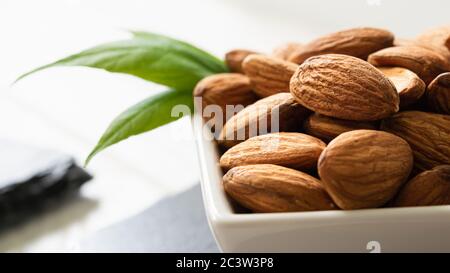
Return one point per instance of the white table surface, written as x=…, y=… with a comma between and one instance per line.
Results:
x=68, y=108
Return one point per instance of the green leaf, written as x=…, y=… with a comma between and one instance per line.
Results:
x=142, y=117
x=152, y=57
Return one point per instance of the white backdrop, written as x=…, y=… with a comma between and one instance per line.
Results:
x=68, y=108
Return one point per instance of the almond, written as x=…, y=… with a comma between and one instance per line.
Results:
x=344, y=87
x=357, y=42
x=225, y=89
x=438, y=38
x=285, y=51
x=438, y=94
x=427, y=64
x=443, y=51
x=255, y=118
x=409, y=86
x=364, y=168
x=430, y=188
x=268, y=75
x=234, y=59
x=404, y=42
x=270, y=188
x=293, y=150
x=327, y=128
x=428, y=135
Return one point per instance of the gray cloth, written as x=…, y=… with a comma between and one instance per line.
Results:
x=175, y=224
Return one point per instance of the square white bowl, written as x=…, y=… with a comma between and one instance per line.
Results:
x=419, y=229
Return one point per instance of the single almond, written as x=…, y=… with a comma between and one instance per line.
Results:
x=438, y=94
x=293, y=150
x=430, y=188
x=404, y=42
x=328, y=128
x=234, y=59
x=438, y=38
x=225, y=89
x=443, y=51
x=268, y=75
x=409, y=86
x=285, y=51
x=427, y=64
x=344, y=87
x=357, y=42
x=428, y=135
x=364, y=168
x=280, y=110
x=270, y=188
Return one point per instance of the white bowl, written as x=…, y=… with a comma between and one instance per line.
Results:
x=420, y=229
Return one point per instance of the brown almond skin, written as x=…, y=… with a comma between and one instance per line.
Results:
x=409, y=86
x=344, y=87
x=269, y=188
x=328, y=128
x=438, y=38
x=427, y=64
x=292, y=150
x=234, y=59
x=364, y=168
x=404, y=42
x=430, y=188
x=438, y=94
x=268, y=75
x=285, y=51
x=428, y=134
x=225, y=89
x=443, y=51
x=238, y=128
x=357, y=42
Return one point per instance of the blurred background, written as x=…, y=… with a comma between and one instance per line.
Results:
x=67, y=109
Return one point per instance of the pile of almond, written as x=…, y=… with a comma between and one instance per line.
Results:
x=364, y=122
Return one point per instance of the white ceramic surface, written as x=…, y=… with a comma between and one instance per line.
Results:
x=422, y=229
